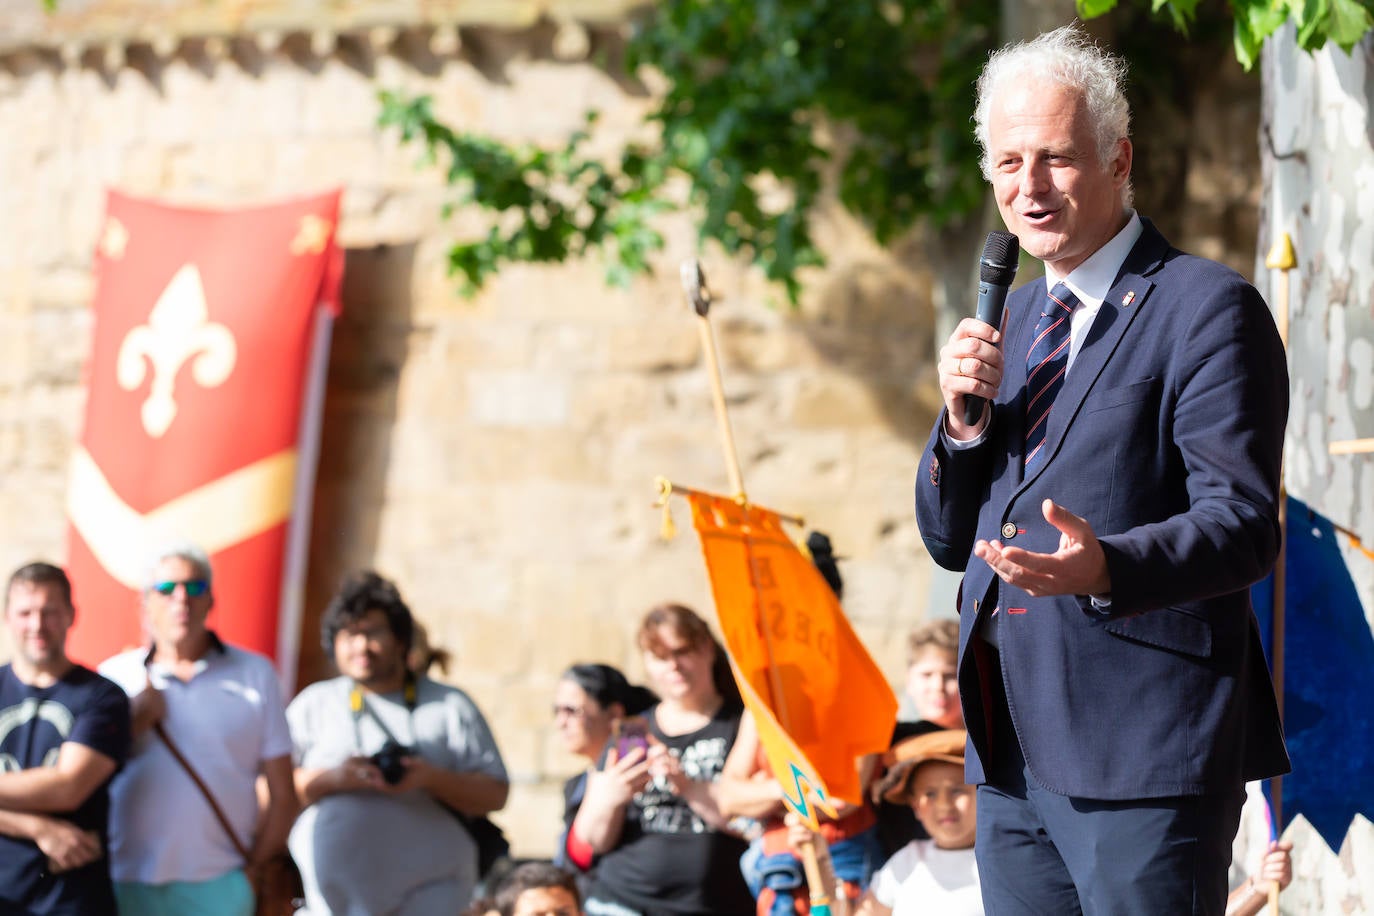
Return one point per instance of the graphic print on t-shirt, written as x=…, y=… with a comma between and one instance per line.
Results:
x=662, y=810
x=17, y=740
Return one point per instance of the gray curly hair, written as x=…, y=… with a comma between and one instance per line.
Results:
x=1068, y=57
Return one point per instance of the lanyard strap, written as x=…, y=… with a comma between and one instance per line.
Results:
x=357, y=703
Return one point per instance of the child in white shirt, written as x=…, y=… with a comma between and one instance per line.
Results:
x=938, y=876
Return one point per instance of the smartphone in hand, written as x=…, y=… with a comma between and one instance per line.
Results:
x=632, y=733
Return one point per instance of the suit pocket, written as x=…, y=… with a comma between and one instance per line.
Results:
x=1172, y=628
x=1124, y=394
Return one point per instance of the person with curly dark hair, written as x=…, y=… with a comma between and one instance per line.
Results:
x=385, y=760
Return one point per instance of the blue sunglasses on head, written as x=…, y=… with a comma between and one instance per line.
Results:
x=194, y=587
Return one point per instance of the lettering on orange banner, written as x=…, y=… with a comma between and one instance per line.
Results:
x=792, y=644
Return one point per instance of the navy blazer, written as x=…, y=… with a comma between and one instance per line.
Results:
x=1167, y=437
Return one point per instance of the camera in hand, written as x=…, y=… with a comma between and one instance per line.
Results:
x=391, y=761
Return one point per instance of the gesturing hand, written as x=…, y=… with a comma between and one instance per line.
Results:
x=1078, y=567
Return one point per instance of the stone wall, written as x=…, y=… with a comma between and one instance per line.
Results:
x=495, y=456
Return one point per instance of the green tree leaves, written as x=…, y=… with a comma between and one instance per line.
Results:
x=1344, y=22
x=767, y=104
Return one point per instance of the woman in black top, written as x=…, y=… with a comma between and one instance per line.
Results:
x=589, y=704
x=652, y=817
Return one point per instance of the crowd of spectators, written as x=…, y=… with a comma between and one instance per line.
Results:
x=177, y=780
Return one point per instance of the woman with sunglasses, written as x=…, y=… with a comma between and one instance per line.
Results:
x=589, y=704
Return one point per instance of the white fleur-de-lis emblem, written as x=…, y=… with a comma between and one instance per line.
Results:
x=178, y=330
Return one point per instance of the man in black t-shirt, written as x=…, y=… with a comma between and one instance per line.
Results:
x=64, y=731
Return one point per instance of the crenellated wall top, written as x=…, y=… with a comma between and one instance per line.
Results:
x=76, y=28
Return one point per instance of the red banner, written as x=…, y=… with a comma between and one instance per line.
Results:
x=207, y=325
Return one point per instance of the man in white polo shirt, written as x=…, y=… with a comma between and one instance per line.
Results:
x=221, y=707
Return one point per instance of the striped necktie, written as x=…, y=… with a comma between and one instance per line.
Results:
x=1045, y=365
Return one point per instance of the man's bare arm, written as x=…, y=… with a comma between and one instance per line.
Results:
x=79, y=771
x=66, y=845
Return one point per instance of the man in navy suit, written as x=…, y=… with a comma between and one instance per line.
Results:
x=1110, y=507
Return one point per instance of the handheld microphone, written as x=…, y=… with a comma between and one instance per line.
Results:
x=996, y=269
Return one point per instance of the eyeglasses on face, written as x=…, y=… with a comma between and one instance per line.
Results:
x=194, y=587
x=569, y=711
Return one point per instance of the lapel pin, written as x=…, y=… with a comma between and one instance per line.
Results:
x=1127, y=299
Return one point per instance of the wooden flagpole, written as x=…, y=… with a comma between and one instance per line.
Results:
x=1281, y=259
x=825, y=900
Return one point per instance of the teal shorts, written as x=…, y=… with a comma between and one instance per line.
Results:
x=228, y=895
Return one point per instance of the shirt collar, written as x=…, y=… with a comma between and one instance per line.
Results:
x=216, y=647
x=1093, y=279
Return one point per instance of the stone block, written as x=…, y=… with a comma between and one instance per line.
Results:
x=280, y=98
x=61, y=340
x=143, y=169
x=69, y=291
x=883, y=592
x=472, y=636
x=244, y=164
x=654, y=347
x=470, y=341
x=687, y=454
x=607, y=403
x=192, y=105
x=533, y=819
x=525, y=724
x=500, y=455
x=782, y=461
x=665, y=571
x=837, y=399
x=573, y=291
x=765, y=347
x=431, y=392
x=517, y=398
x=461, y=581
x=318, y=162
x=118, y=118
x=585, y=631
x=885, y=646
x=570, y=348
x=352, y=106
x=400, y=216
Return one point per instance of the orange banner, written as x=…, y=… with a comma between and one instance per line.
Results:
x=791, y=642
x=204, y=341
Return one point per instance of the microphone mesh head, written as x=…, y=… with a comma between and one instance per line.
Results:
x=998, y=264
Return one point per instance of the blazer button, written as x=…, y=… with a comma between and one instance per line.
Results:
x=1009, y=530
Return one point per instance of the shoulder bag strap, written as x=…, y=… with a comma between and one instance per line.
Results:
x=180, y=758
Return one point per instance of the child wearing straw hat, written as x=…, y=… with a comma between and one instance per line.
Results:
x=938, y=876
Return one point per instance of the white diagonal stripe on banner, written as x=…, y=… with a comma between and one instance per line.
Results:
x=221, y=513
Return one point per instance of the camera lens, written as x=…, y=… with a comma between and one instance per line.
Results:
x=390, y=760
